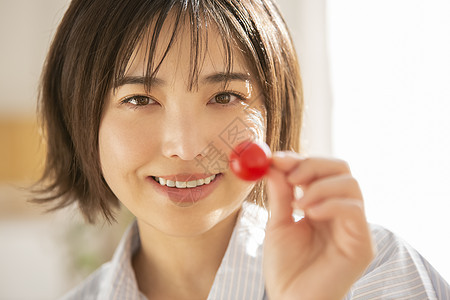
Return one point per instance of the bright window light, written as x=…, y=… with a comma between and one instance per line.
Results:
x=390, y=73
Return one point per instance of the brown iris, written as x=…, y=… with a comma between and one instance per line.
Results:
x=223, y=98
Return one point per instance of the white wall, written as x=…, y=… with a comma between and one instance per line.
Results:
x=26, y=27
x=387, y=110
x=390, y=69
x=32, y=259
x=307, y=22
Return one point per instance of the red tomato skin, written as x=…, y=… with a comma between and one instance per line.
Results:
x=250, y=161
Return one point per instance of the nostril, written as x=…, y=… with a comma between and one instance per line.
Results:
x=185, y=150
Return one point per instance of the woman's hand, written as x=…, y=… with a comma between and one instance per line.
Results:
x=323, y=254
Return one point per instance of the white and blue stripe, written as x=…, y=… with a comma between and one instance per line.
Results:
x=397, y=272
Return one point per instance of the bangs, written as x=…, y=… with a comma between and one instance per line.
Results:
x=185, y=18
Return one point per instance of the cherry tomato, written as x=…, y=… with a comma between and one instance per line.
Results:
x=250, y=161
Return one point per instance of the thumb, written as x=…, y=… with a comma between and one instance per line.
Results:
x=280, y=196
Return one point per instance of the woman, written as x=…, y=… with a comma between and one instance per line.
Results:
x=142, y=103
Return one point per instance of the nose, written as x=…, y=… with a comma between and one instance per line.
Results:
x=183, y=134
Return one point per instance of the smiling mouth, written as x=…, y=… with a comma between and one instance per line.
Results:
x=185, y=184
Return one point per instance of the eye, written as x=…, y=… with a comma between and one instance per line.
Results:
x=226, y=98
x=138, y=100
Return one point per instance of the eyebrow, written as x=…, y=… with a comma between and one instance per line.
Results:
x=220, y=77
x=141, y=80
x=224, y=77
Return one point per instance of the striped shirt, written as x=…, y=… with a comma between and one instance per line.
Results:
x=397, y=272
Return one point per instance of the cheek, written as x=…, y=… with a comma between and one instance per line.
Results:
x=124, y=146
x=247, y=122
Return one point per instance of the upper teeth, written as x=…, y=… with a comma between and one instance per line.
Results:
x=185, y=184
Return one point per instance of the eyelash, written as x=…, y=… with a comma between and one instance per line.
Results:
x=128, y=100
x=238, y=95
x=149, y=100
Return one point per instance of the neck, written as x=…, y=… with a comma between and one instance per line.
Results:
x=180, y=267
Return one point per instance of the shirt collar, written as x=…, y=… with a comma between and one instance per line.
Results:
x=239, y=276
x=120, y=281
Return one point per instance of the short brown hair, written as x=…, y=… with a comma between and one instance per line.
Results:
x=89, y=54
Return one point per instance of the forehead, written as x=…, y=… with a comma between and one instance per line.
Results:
x=181, y=48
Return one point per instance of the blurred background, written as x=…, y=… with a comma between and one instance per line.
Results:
x=377, y=88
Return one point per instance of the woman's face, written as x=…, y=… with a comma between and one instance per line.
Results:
x=164, y=151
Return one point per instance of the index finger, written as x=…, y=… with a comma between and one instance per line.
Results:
x=312, y=169
x=303, y=171
x=286, y=161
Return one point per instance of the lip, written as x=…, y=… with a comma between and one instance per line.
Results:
x=187, y=195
